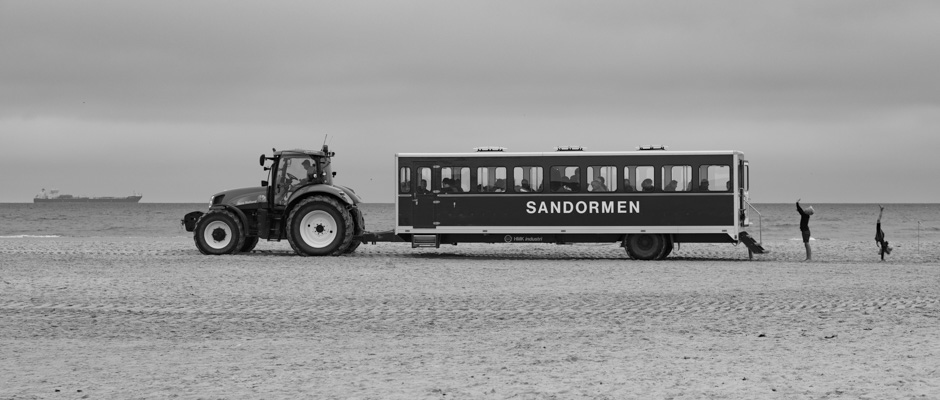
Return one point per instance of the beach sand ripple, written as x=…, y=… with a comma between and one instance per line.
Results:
x=152, y=318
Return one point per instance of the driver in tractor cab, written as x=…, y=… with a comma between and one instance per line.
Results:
x=311, y=171
x=293, y=176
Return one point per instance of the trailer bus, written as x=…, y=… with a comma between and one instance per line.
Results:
x=648, y=200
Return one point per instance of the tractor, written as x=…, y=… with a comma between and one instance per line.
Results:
x=299, y=202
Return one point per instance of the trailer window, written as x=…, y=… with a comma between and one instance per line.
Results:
x=602, y=178
x=642, y=178
x=566, y=178
x=527, y=179
x=491, y=179
x=455, y=179
x=424, y=180
x=404, y=180
x=677, y=178
x=714, y=178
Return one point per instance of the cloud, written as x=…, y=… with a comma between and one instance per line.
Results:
x=110, y=76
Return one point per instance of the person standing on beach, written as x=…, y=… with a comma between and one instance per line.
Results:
x=804, y=227
x=880, y=236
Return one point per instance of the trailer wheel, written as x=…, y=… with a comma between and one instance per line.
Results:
x=668, y=251
x=218, y=232
x=319, y=226
x=645, y=246
x=250, y=243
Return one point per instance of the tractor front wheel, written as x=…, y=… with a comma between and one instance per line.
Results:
x=219, y=232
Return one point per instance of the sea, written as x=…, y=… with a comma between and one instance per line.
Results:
x=840, y=222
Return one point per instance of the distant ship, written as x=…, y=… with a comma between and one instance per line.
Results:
x=54, y=197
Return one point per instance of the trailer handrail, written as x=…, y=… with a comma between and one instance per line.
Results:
x=760, y=225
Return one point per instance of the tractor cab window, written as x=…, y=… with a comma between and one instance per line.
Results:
x=292, y=173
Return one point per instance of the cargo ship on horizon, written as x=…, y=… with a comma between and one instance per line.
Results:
x=55, y=197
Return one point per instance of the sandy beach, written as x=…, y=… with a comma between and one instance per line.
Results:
x=151, y=318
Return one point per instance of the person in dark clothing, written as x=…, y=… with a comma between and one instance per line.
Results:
x=804, y=227
x=880, y=236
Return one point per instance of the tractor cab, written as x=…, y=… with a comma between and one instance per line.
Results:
x=293, y=170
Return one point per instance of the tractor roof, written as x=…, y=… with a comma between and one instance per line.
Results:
x=297, y=152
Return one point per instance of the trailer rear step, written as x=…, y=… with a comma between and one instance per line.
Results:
x=425, y=241
x=752, y=245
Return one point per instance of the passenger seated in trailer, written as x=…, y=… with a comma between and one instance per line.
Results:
x=556, y=183
x=423, y=187
x=500, y=186
x=524, y=187
x=597, y=185
x=671, y=187
x=703, y=186
x=647, y=185
x=627, y=186
x=405, y=186
x=574, y=182
x=447, y=185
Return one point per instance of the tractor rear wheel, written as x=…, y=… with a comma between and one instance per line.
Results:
x=645, y=246
x=219, y=232
x=319, y=226
x=360, y=227
x=250, y=243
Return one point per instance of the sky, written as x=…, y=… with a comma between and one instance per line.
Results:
x=831, y=101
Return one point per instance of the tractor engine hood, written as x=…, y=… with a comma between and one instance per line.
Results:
x=237, y=197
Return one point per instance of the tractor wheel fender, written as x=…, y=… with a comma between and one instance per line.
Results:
x=234, y=210
x=319, y=190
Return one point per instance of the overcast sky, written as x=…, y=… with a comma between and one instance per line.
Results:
x=831, y=101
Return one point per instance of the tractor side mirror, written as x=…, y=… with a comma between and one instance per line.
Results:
x=261, y=161
x=264, y=183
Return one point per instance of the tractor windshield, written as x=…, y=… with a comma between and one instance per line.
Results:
x=294, y=172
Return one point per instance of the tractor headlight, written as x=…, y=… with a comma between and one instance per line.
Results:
x=211, y=199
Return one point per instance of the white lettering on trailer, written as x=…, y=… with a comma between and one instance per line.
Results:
x=583, y=207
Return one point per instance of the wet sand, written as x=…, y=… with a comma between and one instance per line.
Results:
x=144, y=318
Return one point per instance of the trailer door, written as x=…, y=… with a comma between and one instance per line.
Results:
x=425, y=197
x=743, y=192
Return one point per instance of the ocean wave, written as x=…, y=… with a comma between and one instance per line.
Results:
x=28, y=236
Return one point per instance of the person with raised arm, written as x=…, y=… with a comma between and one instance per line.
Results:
x=880, y=236
x=804, y=227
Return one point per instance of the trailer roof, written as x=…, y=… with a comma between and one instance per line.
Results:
x=573, y=153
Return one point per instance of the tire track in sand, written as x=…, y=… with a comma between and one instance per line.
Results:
x=459, y=310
